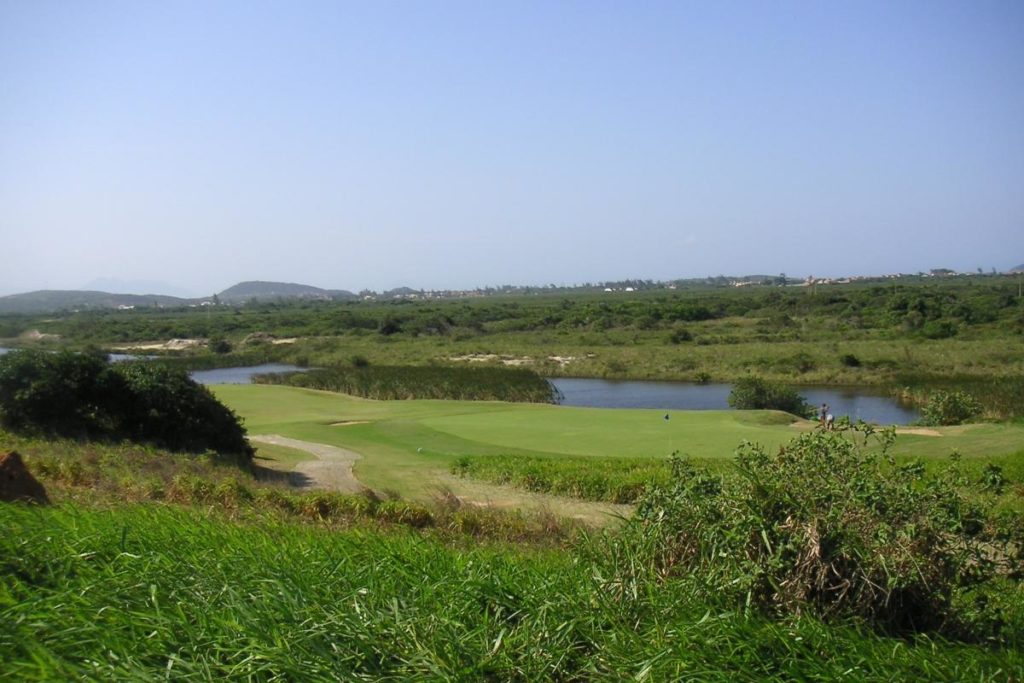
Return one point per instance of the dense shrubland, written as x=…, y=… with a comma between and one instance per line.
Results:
x=410, y=382
x=934, y=309
x=901, y=334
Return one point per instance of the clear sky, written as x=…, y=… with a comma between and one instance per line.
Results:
x=461, y=144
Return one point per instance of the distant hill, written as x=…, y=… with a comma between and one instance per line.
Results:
x=257, y=290
x=1017, y=269
x=55, y=300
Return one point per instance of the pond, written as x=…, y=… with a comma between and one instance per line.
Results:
x=858, y=403
x=241, y=375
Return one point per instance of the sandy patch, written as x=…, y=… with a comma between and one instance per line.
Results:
x=514, y=361
x=918, y=431
x=331, y=471
x=169, y=345
x=36, y=335
x=562, y=360
x=286, y=340
x=349, y=423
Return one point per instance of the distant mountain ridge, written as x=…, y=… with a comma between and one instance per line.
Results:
x=256, y=290
x=56, y=300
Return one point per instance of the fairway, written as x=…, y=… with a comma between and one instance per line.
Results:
x=409, y=446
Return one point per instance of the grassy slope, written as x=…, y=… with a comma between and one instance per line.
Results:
x=409, y=445
x=152, y=592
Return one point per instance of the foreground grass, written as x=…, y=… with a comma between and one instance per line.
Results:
x=145, y=592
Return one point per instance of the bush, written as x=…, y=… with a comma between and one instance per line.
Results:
x=950, y=408
x=939, y=329
x=754, y=393
x=827, y=526
x=850, y=360
x=81, y=395
x=680, y=335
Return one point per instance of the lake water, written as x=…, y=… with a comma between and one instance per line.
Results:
x=858, y=403
x=241, y=375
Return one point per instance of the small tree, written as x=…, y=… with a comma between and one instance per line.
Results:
x=755, y=393
x=950, y=408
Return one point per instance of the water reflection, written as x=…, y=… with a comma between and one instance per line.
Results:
x=858, y=403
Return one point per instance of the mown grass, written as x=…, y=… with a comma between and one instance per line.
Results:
x=146, y=592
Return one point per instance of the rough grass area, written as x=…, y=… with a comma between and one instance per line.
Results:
x=103, y=475
x=148, y=592
x=609, y=480
x=403, y=382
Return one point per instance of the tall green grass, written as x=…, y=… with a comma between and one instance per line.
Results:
x=151, y=592
x=608, y=480
x=1001, y=397
x=390, y=382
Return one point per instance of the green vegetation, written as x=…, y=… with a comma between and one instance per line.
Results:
x=609, y=480
x=411, y=446
x=997, y=398
x=409, y=382
x=811, y=555
x=141, y=591
x=103, y=474
x=828, y=526
x=851, y=334
x=754, y=393
x=175, y=565
x=83, y=395
x=950, y=408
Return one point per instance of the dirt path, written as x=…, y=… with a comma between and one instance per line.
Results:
x=332, y=470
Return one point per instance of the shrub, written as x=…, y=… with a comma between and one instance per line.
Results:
x=83, y=395
x=850, y=360
x=680, y=335
x=950, y=408
x=754, y=393
x=939, y=329
x=826, y=525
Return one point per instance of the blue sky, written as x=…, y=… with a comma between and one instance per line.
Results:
x=457, y=144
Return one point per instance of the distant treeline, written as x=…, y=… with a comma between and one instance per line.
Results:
x=932, y=309
x=389, y=382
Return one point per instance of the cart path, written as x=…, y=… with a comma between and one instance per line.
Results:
x=332, y=469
